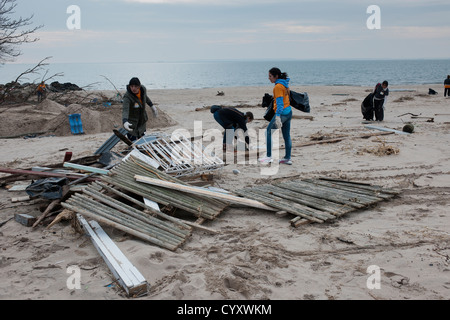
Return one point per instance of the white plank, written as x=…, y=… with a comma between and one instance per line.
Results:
x=125, y=273
x=18, y=187
x=386, y=129
x=152, y=204
x=139, y=155
x=126, y=265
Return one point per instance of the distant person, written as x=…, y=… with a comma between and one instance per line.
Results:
x=233, y=119
x=381, y=93
x=134, y=115
x=41, y=90
x=283, y=115
x=447, y=86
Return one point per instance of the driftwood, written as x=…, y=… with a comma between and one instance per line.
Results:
x=53, y=205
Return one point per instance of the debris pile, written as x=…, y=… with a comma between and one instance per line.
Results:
x=148, y=191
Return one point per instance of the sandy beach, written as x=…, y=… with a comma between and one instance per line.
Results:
x=254, y=254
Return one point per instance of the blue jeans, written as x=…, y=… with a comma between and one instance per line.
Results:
x=226, y=139
x=286, y=131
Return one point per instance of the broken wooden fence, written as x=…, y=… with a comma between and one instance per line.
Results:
x=318, y=200
x=106, y=201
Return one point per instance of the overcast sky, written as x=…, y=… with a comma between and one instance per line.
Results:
x=184, y=30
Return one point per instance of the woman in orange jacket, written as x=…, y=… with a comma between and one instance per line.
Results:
x=283, y=115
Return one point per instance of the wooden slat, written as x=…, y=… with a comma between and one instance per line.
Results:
x=365, y=186
x=203, y=192
x=321, y=194
x=310, y=201
x=366, y=195
x=294, y=207
x=280, y=205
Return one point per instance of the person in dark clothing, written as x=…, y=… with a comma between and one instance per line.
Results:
x=447, y=86
x=233, y=119
x=134, y=116
x=379, y=100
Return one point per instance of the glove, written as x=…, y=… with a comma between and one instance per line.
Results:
x=155, y=111
x=278, y=123
x=128, y=126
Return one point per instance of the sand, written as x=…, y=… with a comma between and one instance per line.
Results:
x=256, y=255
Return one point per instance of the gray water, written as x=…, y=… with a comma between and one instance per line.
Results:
x=217, y=74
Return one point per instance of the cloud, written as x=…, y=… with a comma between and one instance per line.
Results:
x=74, y=38
x=414, y=32
x=293, y=28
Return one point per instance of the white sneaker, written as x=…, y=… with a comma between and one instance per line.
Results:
x=286, y=161
x=266, y=160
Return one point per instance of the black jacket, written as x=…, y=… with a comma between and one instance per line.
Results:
x=232, y=117
x=133, y=110
x=380, y=93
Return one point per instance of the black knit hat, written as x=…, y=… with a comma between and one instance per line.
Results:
x=135, y=82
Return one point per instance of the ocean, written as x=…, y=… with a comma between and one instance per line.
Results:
x=221, y=74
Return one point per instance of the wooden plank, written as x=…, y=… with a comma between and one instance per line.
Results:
x=20, y=199
x=29, y=174
x=357, y=189
x=369, y=194
x=340, y=194
x=387, y=130
x=204, y=192
x=139, y=155
x=310, y=201
x=125, y=273
x=279, y=205
x=294, y=207
x=85, y=168
x=366, y=186
x=326, y=195
x=362, y=198
x=299, y=221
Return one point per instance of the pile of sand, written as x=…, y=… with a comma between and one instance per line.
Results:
x=52, y=118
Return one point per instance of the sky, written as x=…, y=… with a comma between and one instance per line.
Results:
x=192, y=30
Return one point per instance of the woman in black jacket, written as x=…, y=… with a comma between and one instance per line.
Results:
x=134, y=116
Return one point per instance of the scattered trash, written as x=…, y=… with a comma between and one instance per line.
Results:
x=25, y=219
x=50, y=188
